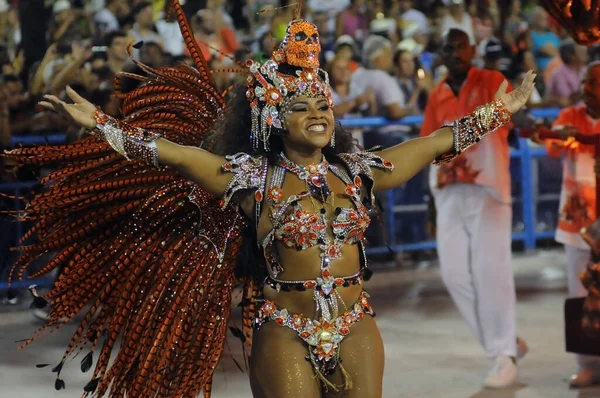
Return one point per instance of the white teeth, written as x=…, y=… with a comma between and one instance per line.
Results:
x=317, y=127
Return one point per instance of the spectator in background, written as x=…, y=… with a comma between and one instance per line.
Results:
x=267, y=45
x=353, y=21
x=523, y=62
x=283, y=15
x=22, y=112
x=457, y=18
x=218, y=6
x=327, y=36
x=10, y=30
x=69, y=24
x=170, y=33
x=412, y=80
x=416, y=42
x=594, y=53
x=215, y=38
x=345, y=48
x=378, y=61
x=331, y=8
x=263, y=22
x=412, y=18
x=153, y=55
x=513, y=24
x=143, y=29
x=384, y=27
x=348, y=103
x=496, y=56
x=116, y=51
x=543, y=43
x=37, y=82
x=565, y=81
x=72, y=71
x=474, y=213
x=485, y=19
x=105, y=98
x=107, y=19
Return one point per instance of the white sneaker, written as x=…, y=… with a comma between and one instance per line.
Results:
x=42, y=314
x=503, y=373
x=522, y=348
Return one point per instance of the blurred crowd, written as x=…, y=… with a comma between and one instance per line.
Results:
x=381, y=55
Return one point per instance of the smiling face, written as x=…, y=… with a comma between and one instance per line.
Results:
x=309, y=122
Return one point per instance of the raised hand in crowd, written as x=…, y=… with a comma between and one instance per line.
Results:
x=37, y=85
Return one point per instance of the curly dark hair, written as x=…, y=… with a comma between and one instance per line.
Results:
x=231, y=134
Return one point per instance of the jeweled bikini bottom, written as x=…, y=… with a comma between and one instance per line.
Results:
x=322, y=337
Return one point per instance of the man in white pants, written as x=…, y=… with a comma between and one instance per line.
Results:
x=578, y=199
x=474, y=213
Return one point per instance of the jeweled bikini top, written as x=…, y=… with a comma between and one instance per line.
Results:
x=292, y=225
x=299, y=229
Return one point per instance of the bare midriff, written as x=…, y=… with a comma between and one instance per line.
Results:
x=305, y=265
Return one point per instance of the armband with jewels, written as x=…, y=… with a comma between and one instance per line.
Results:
x=131, y=142
x=470, y=129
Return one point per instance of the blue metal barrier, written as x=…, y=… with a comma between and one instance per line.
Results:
x=524, y=153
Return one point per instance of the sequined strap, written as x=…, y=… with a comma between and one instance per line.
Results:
x=248, y=174
x=325, y=285
x=472, y=128
x=261, y=188
x=131, y=142
x=360, y=164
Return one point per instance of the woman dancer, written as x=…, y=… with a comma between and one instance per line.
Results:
x=150, y=239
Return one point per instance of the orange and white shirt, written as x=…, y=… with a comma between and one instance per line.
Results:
x=486, y=163
x=577, y=207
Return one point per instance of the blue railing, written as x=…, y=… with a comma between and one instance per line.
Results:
x=524, y=153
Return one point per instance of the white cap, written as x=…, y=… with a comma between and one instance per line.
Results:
x=452, y=2
x=382, y=25
x=345, y=39
x=372, y=46
x=410, y=29
x=61, y=5
x=407, y=45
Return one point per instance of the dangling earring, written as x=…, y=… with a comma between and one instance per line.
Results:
x=332, y=140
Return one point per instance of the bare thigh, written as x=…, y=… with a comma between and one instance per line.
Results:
x=278, y=368
x=362, y=355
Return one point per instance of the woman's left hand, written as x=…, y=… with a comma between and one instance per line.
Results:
x=517, y=98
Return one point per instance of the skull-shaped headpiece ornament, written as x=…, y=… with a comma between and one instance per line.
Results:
x=300, y=46
x=270, y=90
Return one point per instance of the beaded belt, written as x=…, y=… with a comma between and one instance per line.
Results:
x=326, y=284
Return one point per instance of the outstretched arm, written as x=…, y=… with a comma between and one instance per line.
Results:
x=198, y=165
x=447, y=142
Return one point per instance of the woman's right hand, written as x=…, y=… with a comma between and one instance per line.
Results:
x=80, y=112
